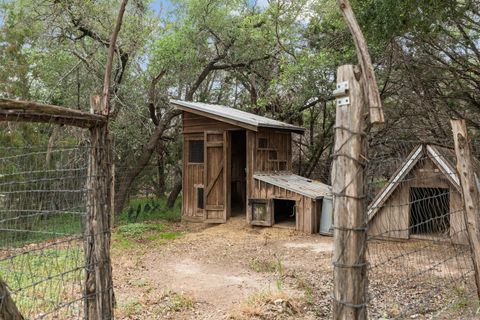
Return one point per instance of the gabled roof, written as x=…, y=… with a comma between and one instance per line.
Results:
x=234, y=116
x=301, y=185
x=443, y=158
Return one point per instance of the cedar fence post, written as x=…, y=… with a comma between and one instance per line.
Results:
x=8, y=309
x=470, y=192
x=349, y=263
x=99, y=285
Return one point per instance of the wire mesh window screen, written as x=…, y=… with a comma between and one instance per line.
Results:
x=42, y=220
x=418, y=253
x=195, y=151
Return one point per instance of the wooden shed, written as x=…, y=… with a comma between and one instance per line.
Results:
x=239, y=163
x=421, y=200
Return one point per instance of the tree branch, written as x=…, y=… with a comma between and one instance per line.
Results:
x=111, y=52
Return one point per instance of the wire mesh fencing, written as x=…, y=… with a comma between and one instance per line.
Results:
x=418, y=252
x=42, y=223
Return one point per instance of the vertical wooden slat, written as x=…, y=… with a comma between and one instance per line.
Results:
x=185, y=187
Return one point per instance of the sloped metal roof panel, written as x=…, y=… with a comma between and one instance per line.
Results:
x=298, y=184
x=237, y=115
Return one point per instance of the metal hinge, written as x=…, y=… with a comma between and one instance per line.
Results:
x=342, y=89
x=343, y=101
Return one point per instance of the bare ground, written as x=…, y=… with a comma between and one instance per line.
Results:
x=234, y=271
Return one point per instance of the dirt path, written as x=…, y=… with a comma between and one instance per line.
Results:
x=234, y=271
x=215, y=268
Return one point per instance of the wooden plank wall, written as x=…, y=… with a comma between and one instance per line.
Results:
x=393, y=219
x=193, y=123
x=194, y=127
x=251, y=151
x=193, y=175
x=279, y=142
x=306, y=217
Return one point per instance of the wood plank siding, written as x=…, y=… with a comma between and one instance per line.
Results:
x=193, y=175
x=267, y=150
x=306, y=219
x=276, y=152
x=393, y=219
x=193, y=123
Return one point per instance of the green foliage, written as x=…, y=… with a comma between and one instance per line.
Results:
x=174, y=302
x=42, y=228
x=270, y=266
x=137, y=229
x=147, y=209
x=131, y=307
x=131, y=235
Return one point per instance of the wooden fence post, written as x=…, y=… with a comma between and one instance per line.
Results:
x=8, y=309
x=99, y=285
x=349, y=264
x=470, y=192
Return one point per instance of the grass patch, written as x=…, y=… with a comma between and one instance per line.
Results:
x=462, y=298
x=46, y=279
x=130, y=235
x=138, y=229
x=263, y=302
x=175, y=302
x=40, y=228
x=148, y=209
x=263, y=265
x=307, y=288
x=131, y=307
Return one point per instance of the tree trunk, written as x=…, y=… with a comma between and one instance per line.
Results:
x=125, y=181
x=160, y=188
x=177, y=188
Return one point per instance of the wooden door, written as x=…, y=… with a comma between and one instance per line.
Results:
x=261, y=212
x=216, y=177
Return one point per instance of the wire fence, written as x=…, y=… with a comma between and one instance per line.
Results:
x=418, y=254
x=42, y=223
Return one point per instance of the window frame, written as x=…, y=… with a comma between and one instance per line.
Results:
x=261, y=145
x=189, y=142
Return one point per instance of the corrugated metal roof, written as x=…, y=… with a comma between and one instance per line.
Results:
x=236, y=115
x=301, y=185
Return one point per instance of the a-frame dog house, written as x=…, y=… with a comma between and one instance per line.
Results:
x=421, y=200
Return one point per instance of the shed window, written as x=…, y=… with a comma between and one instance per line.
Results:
x=200, y=204
x=263, y=143
x=195, y=151
x=272, y=155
